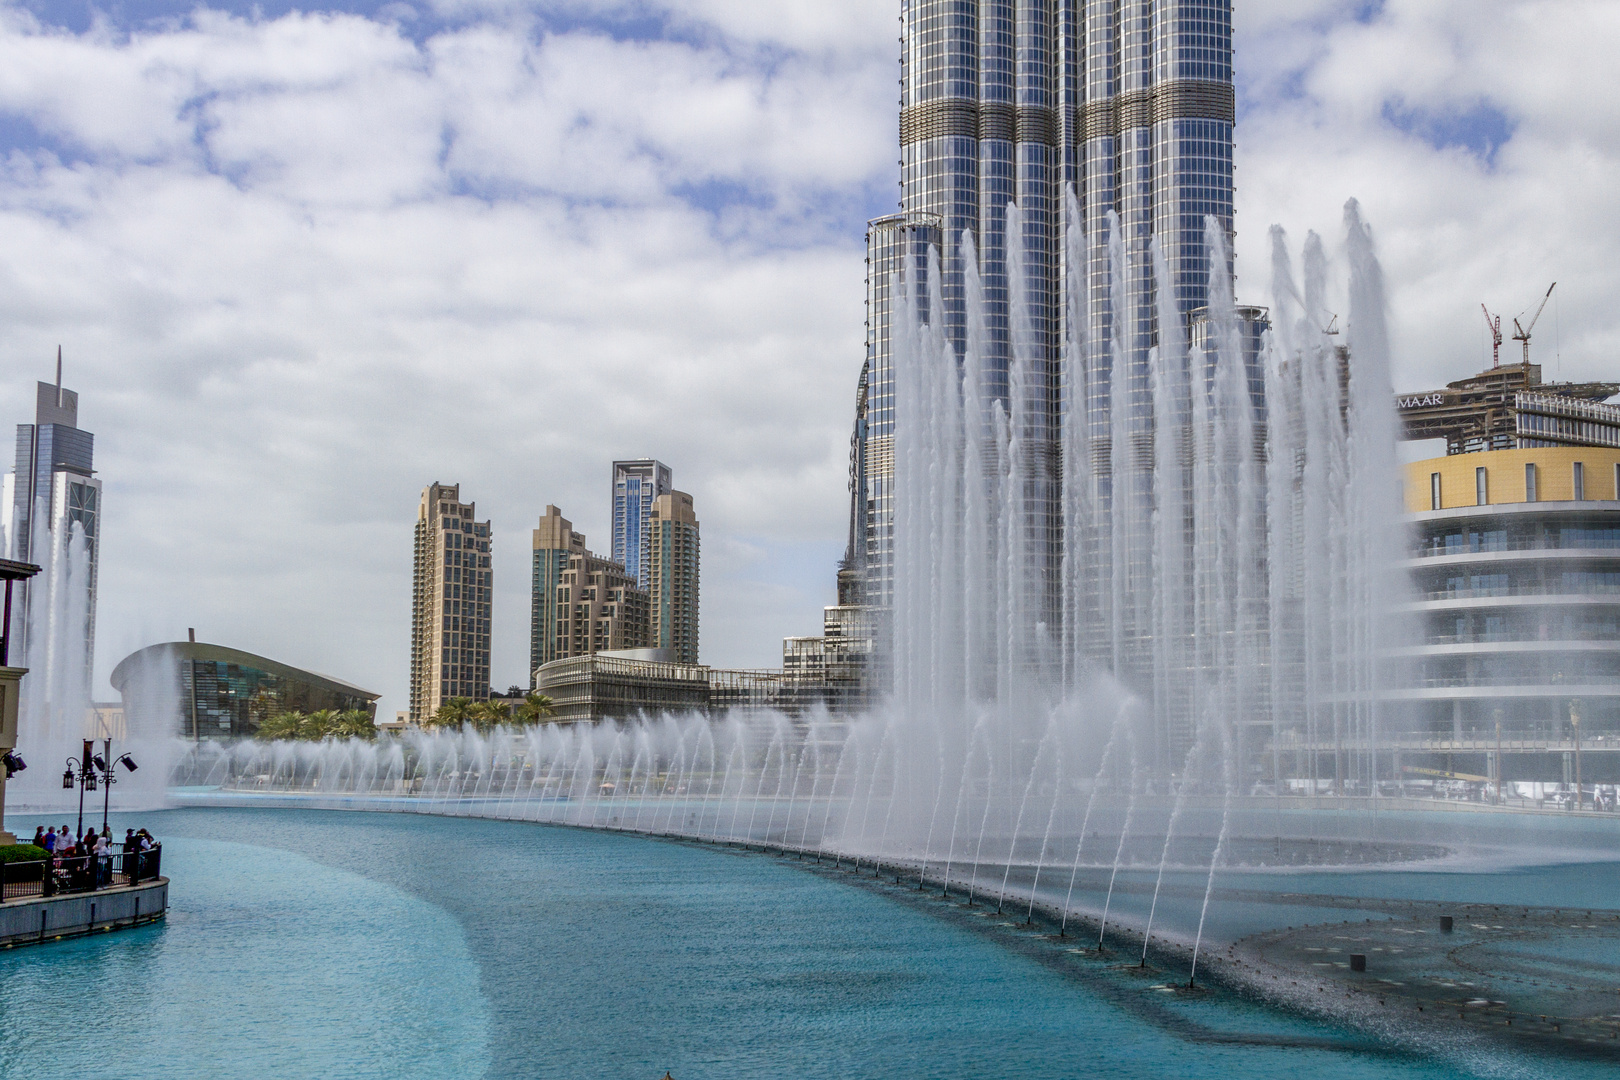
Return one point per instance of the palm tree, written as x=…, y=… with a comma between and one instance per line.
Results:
x=452, y=714
x=354, y=724
x=318, y=725
x=535, y=709
x=488, y=715
x=287, y=725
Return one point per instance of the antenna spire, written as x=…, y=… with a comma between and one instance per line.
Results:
x=59, y=376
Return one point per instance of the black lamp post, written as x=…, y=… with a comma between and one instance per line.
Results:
x=105, y=763
x=85, y=778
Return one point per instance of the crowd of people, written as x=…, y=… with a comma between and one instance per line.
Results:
x=63, y=845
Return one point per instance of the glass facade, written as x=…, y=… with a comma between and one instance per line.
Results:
x=1112, y=120
x=635, y=485
x=53, y=485
x=214, y=692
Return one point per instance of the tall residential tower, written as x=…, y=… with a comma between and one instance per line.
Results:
x=450, y=602
x=635, y=485
x=674, y=578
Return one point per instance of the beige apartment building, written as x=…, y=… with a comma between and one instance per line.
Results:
x=582, y=603
x=555, y=544
x=673, y=591
x=450, y=612
x=599, y=607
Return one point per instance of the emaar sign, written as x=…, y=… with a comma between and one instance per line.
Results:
x=1422, y=402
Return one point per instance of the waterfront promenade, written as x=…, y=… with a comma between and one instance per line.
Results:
x=51, y=899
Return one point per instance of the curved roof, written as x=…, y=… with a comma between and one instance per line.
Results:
x=197, y=650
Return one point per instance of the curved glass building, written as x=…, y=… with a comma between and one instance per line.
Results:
x=200, y=691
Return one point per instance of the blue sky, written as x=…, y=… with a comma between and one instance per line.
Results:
x=305, y=260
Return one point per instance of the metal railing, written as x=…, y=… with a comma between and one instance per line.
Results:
x=64, y=874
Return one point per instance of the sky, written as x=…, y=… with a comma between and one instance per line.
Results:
x=304, y=260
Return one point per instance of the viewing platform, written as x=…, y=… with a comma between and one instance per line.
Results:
x=61, y=898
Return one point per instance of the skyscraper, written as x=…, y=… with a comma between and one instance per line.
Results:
x=555, y=544
x=635, y=485
x=674, y=578
x=450, y=602
x=1110, y=124
x=51, y=506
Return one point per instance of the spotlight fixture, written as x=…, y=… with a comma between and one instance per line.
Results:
x=13, y=762
x=128, y=762
x=99, y=763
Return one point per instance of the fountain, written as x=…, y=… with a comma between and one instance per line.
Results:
x=1261, y=497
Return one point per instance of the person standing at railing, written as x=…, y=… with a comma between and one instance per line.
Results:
x=49, y=843
x=103, y=862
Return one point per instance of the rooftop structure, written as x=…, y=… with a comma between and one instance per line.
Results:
x=1509, y=407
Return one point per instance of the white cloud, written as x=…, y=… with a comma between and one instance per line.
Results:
x=1408, y=111
x=303, y=266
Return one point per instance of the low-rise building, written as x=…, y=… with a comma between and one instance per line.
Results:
x=205, y=692
x=1516, y=569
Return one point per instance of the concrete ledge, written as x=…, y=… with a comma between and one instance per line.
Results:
x=34, y=919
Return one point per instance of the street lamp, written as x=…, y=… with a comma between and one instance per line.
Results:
x=105, y=762
x=85, y=778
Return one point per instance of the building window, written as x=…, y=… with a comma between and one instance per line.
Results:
x=1530, y=482
x=1580, y=481
x=1482, y=491
x=1434, y=491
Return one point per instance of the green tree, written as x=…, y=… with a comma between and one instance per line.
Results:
x=354, y=724
x=287, y=725
x=488, y=715
x=452, y=714
x=318, y=725
x=535, y=709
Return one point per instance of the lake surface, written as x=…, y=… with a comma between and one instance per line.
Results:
x=307, y=943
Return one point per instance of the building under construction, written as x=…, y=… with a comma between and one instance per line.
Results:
x=1510, y=408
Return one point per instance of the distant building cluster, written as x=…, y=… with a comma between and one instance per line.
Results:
x=639, y=604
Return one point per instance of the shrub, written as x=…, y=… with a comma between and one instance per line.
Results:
x=10, y=853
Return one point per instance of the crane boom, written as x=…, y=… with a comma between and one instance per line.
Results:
x=1524, y=331
x=1495, y=323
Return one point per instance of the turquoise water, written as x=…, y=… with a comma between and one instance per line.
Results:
x=329, y=944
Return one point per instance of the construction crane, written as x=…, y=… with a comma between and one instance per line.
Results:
x=1495, y=323
x=1524, y=331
